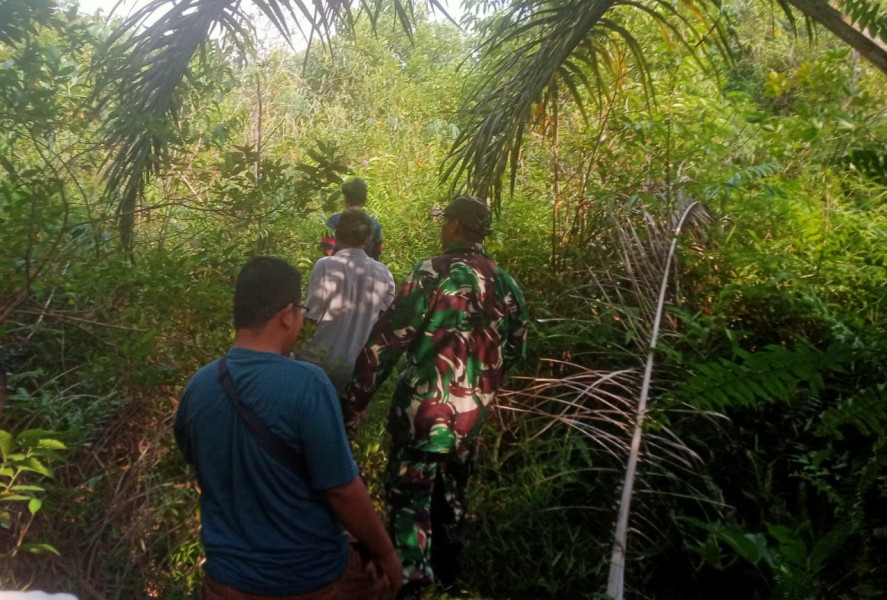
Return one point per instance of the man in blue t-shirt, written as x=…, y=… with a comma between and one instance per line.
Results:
x=355, y=193
x=268, y=529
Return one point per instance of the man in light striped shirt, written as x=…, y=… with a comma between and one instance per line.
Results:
x=346, y=293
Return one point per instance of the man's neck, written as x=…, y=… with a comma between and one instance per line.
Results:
x=257, y=340
x=463, y=243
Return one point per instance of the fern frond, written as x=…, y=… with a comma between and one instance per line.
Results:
x=754, y=172
x=772, y=374
x=743, y=177
x=866, y=412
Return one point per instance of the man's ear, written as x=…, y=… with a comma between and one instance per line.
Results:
x=287, y=316
x=452, y=227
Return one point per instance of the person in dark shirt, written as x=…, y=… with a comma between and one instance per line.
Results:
x=267, y=529
x=355, y=193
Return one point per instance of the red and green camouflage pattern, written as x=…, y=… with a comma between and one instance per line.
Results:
x=426, y=496
x=462, y=321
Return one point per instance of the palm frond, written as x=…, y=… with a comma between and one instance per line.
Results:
x=527, y=46
x=868, y=35
x=690, y=212
x=145, y=110
x=870, y=15
x=865, y=411
x=143, y=119
x=597, y=404
x=534, y=45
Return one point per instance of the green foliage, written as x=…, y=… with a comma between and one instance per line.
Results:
x=771, y=367
x=794, y=555
x=865, y=411
x=867, y=14
x=19, y=18
x=324, y=176
x=771, y=374
x=537, y=528
x=48, y=401
x=24, y=457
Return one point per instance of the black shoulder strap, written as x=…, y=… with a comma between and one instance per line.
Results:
x=273, y=445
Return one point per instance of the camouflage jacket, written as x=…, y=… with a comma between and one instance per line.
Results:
x=462, y=321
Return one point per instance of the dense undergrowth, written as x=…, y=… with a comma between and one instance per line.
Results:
x=763, y=466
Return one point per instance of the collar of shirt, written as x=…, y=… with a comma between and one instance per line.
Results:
x=352, y=252
x=466, y=247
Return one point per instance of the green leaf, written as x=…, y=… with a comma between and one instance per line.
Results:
x=38, y=548
x=6, y=440
x=750, y=546
x=28, y=488
x=791, y=546
x=756, y=117
x=52, y=444
x=9, y=497
x=826, y=546
x=32, y=437
x=34, y=505
x=32, y=464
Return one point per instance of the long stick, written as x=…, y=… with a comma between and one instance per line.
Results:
x=616, y=579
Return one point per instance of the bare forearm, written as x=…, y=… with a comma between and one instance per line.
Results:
x=352, y=505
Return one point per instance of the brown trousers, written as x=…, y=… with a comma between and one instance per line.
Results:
x=362, y=580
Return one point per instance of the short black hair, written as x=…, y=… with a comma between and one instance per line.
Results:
x=471, y=234
x=264, y=286
x=355, y=192
x=354, y=227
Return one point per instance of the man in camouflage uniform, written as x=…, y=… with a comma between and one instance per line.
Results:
x=461, y=320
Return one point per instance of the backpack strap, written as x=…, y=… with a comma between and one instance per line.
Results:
x=273, y=445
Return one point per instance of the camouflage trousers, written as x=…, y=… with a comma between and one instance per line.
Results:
x=426, y=495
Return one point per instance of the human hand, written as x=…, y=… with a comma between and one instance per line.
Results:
x=392, y=569
x=352, y=419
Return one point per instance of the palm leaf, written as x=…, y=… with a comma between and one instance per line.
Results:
x=143, y=120
x=870, y=15
x=528, y=48
x=534, y=42
x=866, y=37
x=146, y=107
x=616, y=580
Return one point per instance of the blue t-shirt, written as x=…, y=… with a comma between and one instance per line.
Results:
x=265, y=530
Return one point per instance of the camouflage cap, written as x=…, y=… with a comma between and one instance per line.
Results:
x=472, y=212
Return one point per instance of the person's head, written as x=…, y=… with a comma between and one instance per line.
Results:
x=354, y=229
x=466, y=219
x=355, y=192
x=267, y=299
